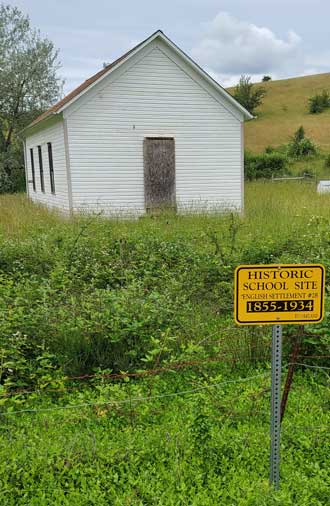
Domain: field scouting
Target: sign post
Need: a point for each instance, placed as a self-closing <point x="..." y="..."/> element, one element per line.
<point x="275" y="417"/>
<point x="276" y="295"/>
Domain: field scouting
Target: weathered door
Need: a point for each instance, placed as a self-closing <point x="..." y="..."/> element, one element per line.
<point x="159" y="173"/>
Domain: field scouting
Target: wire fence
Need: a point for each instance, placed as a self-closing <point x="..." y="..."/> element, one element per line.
<point x="149" y="398"/>
<point x="248" y="409"/>
<point x="225" y="357"/>
<point x="137" y="399"/>
<point x="244" y="414"/>
<point x="310" y="366"/>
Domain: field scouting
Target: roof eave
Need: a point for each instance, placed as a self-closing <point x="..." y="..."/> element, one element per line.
<point x="51" y="119"/>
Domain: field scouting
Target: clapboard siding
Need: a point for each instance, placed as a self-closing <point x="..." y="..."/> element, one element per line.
<point x="55" y="135"/>
<point x="154" y="97"/>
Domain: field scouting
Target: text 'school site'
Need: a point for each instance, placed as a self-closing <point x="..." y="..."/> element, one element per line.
<point x="278" y="280"/>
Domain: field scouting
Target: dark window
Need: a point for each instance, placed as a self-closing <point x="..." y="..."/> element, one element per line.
<point x="32" y="169"/>
<point x="42" y="182"/>
<point x="51" y="167"/>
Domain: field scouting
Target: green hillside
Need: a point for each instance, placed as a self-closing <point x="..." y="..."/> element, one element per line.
<point x="284" y="109"/>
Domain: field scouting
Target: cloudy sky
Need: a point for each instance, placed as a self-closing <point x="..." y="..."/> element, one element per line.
<point x="283" y="38"/>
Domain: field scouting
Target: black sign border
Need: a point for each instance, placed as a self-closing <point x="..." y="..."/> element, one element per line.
<point x="278" y="322"/>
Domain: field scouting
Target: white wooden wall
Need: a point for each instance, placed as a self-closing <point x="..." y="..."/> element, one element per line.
<point x="55" y="135"/>
<point x="155" y="94"/>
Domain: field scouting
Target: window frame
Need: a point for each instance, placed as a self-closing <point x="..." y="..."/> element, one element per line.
<point x="33" y="170"/>
<point x="41" y="170"/>
<point x="51" y="167"/>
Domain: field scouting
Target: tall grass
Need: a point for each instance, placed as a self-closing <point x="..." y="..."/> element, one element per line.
<point x="284" y="208"/>
<point x="19" y="217"/>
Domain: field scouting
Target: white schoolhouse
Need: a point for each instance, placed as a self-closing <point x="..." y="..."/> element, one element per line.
<point x="151" y="129"/>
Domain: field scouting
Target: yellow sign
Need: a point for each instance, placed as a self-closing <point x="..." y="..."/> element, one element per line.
<point x="278" y="294"/>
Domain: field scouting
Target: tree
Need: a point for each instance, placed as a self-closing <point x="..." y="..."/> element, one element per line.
<point x="28" y="83"/>
<point x="299" y="135"/>
<point x="247" y="95"/>
<point x="266" y="78"/>
<point x="300" y="146"/>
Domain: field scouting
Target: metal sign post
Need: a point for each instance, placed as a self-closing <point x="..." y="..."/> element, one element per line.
<point x="275" y="420"/>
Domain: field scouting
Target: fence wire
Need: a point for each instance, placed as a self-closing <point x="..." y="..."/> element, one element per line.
<point x="150" y="398"/>
<point x="224" y="357"/>
<point x="135" y="399"/>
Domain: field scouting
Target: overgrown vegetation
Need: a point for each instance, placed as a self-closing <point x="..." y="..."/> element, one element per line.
<point x="97" y="297"/>
<point x="265" y="165"/>
<point x="108" y="294"/>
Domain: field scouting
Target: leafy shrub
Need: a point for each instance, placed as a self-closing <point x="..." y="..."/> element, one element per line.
<point x="266" y="78"/>
<point x="265" y="165"/>
<point x="114" y="303"/>
<point x="248" y="96"/>
<point x="24" y="363"/>
<point x="315" y="104"/>
<point x="327" y="161"/>
<point x="300" y="146"/>
<point x="305" y="148"/>
<point x="319" y="102"/>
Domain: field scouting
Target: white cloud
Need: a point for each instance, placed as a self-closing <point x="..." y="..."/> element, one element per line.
<point x="231" y="47"/>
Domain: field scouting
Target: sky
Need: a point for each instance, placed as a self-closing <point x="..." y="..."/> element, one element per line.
<point x="228" y="38"/>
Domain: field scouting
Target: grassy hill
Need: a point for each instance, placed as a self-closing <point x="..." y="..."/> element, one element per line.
<point x="284" y="109"/>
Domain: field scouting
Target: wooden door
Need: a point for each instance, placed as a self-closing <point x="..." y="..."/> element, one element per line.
<point x="159" y="173"/>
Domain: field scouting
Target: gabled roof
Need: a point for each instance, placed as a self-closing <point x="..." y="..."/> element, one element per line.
<point x="77" y="92"/>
